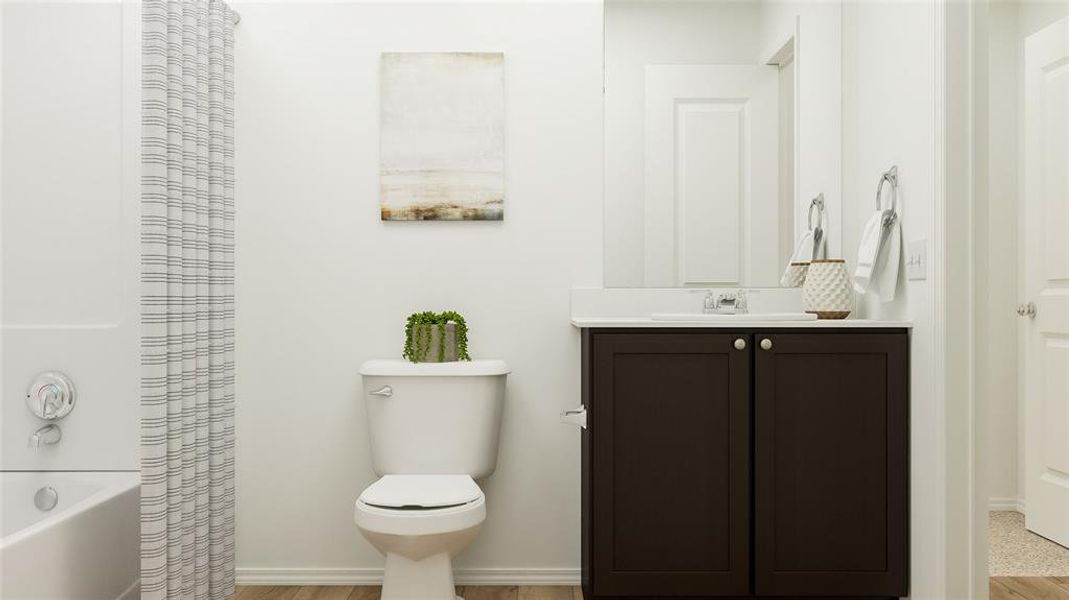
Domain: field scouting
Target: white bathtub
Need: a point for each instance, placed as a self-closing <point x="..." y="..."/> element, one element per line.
<point x="86" y="548"/>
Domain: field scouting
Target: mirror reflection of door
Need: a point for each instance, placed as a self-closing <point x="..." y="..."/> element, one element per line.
<point x="722" y="121"/>
<point x="712" y="181"/>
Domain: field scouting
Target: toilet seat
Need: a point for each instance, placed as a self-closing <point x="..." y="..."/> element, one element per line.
<point x="420" y="492"/>
<point x="420" y="505"/>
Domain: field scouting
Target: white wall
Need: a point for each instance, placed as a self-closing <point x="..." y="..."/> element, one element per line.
<point x="889" y="106"/>
<point x="323" y="284"/>
<point x="70" y="229"/>
<point x="638" y="33"/>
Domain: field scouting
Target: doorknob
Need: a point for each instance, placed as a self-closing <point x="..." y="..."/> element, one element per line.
<point x="1027" y="310"/>
<point x="766" y="344"/>
<point x="740" y="344"/>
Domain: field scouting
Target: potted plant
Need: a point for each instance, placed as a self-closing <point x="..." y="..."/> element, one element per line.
<point x="436" y="337"/>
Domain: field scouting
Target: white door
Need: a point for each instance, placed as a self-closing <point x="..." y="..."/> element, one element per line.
<point x="711" y="175"/>
<point x="1046" y="281"/>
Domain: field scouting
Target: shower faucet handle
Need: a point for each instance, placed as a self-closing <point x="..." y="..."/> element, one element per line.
<point x="50" y="396"/>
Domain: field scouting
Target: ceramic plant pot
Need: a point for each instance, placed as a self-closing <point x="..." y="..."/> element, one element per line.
<point x="827" y="292"/>
<point x="430" y="335"/>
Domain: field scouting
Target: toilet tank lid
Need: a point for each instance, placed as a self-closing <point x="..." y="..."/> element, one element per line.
<point x="460" y="368"/>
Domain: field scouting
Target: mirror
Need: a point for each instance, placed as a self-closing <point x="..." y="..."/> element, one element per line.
<point x="723" y="123"/>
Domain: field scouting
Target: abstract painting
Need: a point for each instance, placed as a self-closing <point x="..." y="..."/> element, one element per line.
<point x="442" y="153"/>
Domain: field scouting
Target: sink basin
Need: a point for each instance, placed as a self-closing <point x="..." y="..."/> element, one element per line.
<point x="737" y="317"/>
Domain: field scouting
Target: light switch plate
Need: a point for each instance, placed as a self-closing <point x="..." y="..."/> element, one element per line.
<point x="917" y="260"/>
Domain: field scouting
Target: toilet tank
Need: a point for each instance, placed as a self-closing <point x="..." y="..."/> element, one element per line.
<point x="434" y="418"/>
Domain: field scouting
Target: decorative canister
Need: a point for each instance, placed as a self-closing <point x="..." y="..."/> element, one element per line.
<point x="827" y="292"/>
<point x="794" y="276"/>
<point x="427" y="339"/>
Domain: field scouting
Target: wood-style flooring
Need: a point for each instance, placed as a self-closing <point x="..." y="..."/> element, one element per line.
<point x="1029" y="588"/>
<point x="348" y="592"/>
<point x="1002" y="588"/>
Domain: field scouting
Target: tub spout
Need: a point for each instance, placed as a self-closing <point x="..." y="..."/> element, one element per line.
<point x="49" y="434"/>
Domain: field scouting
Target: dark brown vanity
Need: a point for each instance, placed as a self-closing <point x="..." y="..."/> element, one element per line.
<point x="745" y="462"/>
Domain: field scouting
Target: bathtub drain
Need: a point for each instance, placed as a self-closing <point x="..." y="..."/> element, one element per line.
<point x="46" y="498"/>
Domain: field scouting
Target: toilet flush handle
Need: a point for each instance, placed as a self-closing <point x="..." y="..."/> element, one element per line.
<point x="385" y="391"/>
<point x="575" y="416"/>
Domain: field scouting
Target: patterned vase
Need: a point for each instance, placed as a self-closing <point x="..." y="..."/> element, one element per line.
<point x="826" y="291"/>
<point x="795" y="275"/>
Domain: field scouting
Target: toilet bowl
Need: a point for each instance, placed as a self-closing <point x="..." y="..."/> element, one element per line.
<point x="433" y="430"/>
<point x="420" y="522"/>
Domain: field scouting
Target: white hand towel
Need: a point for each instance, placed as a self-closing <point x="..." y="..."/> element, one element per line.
<point x="820" y="245"/>
<point x="885" y="283"/>
<point x="879" y="257"/>
<point x="803" y="252"/>
<point x="867" y="252"/>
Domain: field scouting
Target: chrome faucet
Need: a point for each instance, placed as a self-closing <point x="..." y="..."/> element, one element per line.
<point x="709" y="304"/>
<point x="725" y="303"/>
<point x="49" y="434"/>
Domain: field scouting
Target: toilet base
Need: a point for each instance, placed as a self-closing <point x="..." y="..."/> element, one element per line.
<point x="427" y="579"/>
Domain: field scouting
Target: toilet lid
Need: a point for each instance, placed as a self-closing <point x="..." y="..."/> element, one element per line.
<point x="421" y="491"/>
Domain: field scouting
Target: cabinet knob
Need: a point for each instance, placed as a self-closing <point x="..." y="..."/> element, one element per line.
<point x="766" y="344"/>
<point x="740" y="344"/>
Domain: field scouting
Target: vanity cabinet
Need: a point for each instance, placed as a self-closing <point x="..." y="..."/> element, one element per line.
<point x="745" y="463"/>
<point x="669" y="419"/>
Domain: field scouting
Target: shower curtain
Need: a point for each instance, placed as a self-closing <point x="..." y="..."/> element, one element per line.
<point x="187" y="300"/>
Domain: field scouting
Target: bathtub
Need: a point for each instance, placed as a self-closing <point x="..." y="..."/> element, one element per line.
<point x="85" y="548"/>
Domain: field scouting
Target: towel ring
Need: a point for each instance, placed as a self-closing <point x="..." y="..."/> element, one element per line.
<point x="817" y="203"/>
<point x="889" y="214"/>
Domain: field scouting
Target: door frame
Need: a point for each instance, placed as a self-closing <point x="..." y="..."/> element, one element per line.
<point x="960" y="114"/>
<point x="787" y="56"/>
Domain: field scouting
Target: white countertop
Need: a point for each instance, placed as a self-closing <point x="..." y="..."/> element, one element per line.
<point x="607" y="322"/>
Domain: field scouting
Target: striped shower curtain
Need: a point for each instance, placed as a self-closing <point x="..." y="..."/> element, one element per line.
<point x="187" y="300"/>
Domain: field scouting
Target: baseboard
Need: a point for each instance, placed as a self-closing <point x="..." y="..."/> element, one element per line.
<point x="366" y="576"/>
<point x="999" y="504"/>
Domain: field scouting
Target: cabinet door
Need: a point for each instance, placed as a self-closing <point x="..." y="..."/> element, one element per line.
<point x="670" y="446"/>
<point x="831" y="458"/>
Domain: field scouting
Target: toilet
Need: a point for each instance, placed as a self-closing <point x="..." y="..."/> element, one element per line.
<point x="434" y="432"/>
